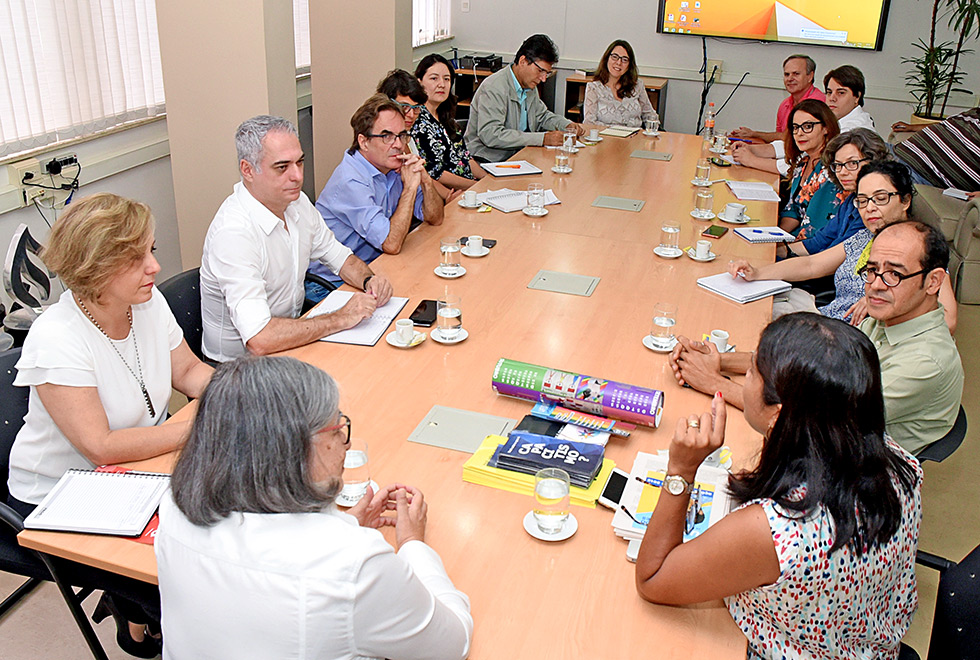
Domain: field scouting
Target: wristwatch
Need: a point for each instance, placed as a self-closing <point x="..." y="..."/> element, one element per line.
<point x="366" y="280"/>
<point x="677" y="485"/>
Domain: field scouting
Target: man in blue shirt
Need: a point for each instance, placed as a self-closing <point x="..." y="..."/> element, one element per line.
<point x="376" y="190"/>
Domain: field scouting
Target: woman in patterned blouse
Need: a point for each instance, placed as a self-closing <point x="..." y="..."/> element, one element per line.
<point x="818" y="559"/>
<point x="440" y="141"/>
<point x="616" y="97"/>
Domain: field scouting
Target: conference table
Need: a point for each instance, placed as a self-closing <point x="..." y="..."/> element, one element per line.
<point x="530" y="598"/>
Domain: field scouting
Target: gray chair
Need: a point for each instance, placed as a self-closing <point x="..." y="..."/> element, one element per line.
<point x="964" y="257"/>
<point x="941" y="449"/>
<point x="26" y="280"/>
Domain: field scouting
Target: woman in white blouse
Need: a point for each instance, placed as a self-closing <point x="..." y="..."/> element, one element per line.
<point x="256" y="561"/>
<point x="616" y="96"/>
<point x="101" y="363"/>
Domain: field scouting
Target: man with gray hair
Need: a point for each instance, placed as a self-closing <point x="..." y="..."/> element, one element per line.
<point x="798" y="72"/>
<point x="259" y="246"/>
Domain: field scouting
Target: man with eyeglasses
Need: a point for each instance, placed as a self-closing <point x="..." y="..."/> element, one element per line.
<point x="378" y="188"/>
<point x="506" y="113"/>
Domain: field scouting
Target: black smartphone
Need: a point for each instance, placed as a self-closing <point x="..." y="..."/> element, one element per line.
<point x="425" y="314"/>
<point x="718" y="162"/>
<point x="487" y="242"/>
<point x="715" y="231"/>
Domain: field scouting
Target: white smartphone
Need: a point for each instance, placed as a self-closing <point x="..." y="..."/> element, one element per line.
<point x="612" y="492"/>
<point x="633" y="550"/>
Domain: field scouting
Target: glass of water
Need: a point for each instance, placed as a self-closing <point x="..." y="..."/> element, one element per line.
<point x="535" y="199"/>
<point x="561" y="161"/>
<point x="702" y="172"/>
<point x="664" y="318"/>
<point x="670" y="233"/>
<point x="449" y="316"/>
<point x="703" y="201"/>
<point x="569" y="138"/>
<point x="551" y="499"/>
<point x="357" y="473"/>
<point x="651" y="126"/>
<point x="449" y="256"/>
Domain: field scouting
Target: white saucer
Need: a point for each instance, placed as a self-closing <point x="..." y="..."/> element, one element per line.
<point x="392" y="338"/>
<point x="717" y="151"/>
<point x="567" y="530"/>
<point x="526" y="211"/>
<point x="438" y="271"/>
<point x="573" y="150"/>
<point x="484" y="251"/>
<point x="710" y="216"/>
<point x="475" y="205"/>
<point x="437" y="337"/>
<point x="701" y="184"/>
<point x="648" y="342"/>
<point x="661" y="252"/>
<point x="348" y="502"/>
<point x="556" y="170"/>
<point x="691" y="253"/>
<point x="587" y="140"/>
<point x="745" y="219"/>
<point x="653" y="134"/>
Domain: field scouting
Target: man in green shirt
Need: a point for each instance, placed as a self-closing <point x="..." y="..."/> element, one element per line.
<point x="921" y="373"/>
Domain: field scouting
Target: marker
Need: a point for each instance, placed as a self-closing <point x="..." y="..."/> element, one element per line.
<point x="734" y="139"/>
<point x="509" y="167"/>
<point x="767" y="233"/>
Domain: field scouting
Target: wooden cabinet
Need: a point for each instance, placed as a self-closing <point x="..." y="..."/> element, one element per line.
<point x="467" y="80"/>
<point x="575" y="95"/>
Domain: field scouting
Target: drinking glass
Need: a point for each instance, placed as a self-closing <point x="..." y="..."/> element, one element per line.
<point x="551" y="499"/>
<point x="535" y="199"/>
<point x="561" y="161"/>
<point x="449" y="316"/>
<point x="670" y="232"/>
<point x="703" y="201"/>
<point x="664" y="319"/>
<point x="357" y="473"/>
<point x="449" y="256"/>
<point x="569" y="138"/>
<point x="651" y="126"/>
<point x="702" y="172"/>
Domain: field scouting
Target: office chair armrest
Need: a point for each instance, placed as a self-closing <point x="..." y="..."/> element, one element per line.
<point x="933" y="561"/>
<point x="316" y="279"/>
<point x="11" y="518"/>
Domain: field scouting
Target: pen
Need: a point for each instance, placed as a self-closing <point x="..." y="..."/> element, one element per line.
<point x="768" y="233"/>
<point x="734" y="139"/>
<point x="647" y="481"/>
<point x="627" y="512"/>
<point x="509" y="167"/>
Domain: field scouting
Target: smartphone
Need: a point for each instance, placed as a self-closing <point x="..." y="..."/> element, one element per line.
<point x="487" y="242"/>
<point x="718" y="162"/>
<point x="715" y="231"/>
<point x="612" y="492"/>
<point x="425" y="314"/>
<point x="633" y="550"/>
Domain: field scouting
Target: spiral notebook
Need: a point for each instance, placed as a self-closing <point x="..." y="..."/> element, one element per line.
<point x="764" y="235"/>
<point x="117" y="503"/>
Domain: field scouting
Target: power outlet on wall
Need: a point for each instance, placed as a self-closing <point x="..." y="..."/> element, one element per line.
<point x="29" y="170"/>
<point x="464" y="6"/>
<point x="711" y="67"/>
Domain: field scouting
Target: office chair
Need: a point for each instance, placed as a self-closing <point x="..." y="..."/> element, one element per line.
<point x="941" y="449"/>
<point x="183" y="294"/>
<point x="26" y="280"/>
<point x="313" y="278"/>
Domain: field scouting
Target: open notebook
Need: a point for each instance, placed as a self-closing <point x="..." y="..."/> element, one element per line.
<point x="737" y="289"/>
<point x="368" y="331"/>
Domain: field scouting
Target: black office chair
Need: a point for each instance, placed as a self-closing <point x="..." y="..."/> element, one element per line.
<point x="13" y="558"/>
<point x="183" y="294"/>
<point x="309" y="304"/>
<point x="941" y="449"/>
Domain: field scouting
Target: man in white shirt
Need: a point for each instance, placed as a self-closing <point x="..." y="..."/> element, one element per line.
<point x="259" y="246"/>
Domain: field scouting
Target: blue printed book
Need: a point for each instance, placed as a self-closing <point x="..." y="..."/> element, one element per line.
<point x="529" y="452"/>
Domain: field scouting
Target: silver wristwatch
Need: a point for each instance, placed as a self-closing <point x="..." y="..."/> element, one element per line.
<point x="677" y="485"/>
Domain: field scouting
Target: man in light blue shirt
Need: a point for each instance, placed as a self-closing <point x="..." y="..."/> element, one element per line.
<point x="376" y="190"/>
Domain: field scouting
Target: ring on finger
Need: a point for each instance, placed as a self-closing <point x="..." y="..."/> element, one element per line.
<point x="693" y="423"/>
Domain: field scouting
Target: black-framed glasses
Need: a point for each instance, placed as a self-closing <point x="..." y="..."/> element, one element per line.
<point x="805" y="128"/>
<point x="389" y="138"/>
<point x="879" y="198"/>
<point x="408" y="107"/>
<point x="615" y="57"/>
<point x="344" y="421"/>
<point x="889" y="277"/>
<point x="540" y="68"/>
<point x="850" y="166"/>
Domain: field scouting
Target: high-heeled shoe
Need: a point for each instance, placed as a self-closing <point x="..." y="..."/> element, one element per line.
<point x="148" y="648"/>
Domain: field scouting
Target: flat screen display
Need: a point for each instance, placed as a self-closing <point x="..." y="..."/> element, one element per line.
<point x="843" y="23"/>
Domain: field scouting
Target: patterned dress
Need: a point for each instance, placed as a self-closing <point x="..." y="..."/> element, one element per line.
<point x="602" y="107"/>
<point x="441" y="154"/>
<point x="837" y="605"/>
<point x="847" y="283"/>
<point x="813" y="201"/>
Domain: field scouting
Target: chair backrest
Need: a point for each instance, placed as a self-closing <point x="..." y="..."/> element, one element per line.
<point x="183" y="294"/>
<point x="13" y="408"/>
<point x="946" y="445"/>
<point x="954" y="628"/>
<point x="25" y="281"/>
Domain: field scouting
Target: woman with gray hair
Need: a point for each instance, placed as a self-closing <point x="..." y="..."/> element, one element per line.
<point x="255" y="559"/>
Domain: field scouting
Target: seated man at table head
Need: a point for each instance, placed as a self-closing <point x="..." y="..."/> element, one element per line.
<point x="378" y="188"/>
<point x="921" y="372"/>
<point x="255" y="559"/>
<point x="506" y="113"/>
<point x="259" y="246"/>
<point x="798" y="72"/>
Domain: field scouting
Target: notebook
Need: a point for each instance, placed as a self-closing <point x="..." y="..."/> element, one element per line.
<point x="764" y="235"/>
<point x="511" y="168"/>
<point x="368" y="331"/>
<point x="118" y="503"/>
<point x="753" y="191"/>
<point x="620" y="131"/>
<point x="507" y="200"/>
<point x="737" y="289"/>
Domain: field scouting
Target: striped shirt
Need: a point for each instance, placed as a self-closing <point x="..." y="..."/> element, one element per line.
<point x="946" y="154"/>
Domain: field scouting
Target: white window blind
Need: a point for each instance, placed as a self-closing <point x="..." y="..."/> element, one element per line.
<point x="301" y="33"/>
<point x="430" y="21"/>
<point x="74" y="67"/>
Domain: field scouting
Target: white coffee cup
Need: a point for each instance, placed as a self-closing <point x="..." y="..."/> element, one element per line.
<point x="720" y="339"/>
<point x="405" y="330"/>
<point x="469" y="197"/>
<point x="594" y="134"/>
<point x="735" y="211"/>
<point x="474" y="243"/>
<point x="702" y="249"/>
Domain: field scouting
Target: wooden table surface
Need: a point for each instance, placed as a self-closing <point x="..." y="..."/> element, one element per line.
<point x="581" y="590"/>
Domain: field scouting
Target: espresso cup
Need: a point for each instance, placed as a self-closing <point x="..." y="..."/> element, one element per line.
<point x="702" y="249"/>
<point x="720" y="339"/>
<point x="735" y="211"/>
<point x="469" y="197"/>
<point x="405" y="330"/>
<point x="594" y="134"/>
<point x="474" y="243"/>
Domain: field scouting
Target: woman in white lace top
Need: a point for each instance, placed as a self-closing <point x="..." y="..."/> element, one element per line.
<point x="616" y="97"/>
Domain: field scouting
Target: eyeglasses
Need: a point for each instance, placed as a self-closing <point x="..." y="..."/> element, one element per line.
<point x="344" y="421"/>
<point x="389" y="138"/>
<point x="546" y="73"/>
<point x="615" y="57"/>
<point x="879" y="198"/>
<point x="850" y="166"/>
<point x="889" y="277"/>
<point x="408" y="107"/>
<point x="806" y="127"/>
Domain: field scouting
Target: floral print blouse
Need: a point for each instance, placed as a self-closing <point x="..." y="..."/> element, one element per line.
<point x="441" y="154"/>
<point x="602" y="107"/>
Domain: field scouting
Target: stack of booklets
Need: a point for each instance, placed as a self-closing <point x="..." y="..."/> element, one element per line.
<point x="529" y="452"/>
<point x="737" y="289"/>
<point x="477" y="470"/>
<point x="620" y="131"/>
<point x="710" y="500"/>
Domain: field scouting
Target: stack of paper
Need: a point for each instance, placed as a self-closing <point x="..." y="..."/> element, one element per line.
<point x="737" y="289"/>
<point x="753" y="191"/>
<point x="710" y="500"/>
<point x="477" y="471"/>
<point x="511" y="168"/>
<point x="620" y="131"/>
<point x="508" y="200"/>
<point x="527" y="453"/>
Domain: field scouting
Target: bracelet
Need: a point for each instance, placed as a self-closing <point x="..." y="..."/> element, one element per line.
<point x="366" y="280"/>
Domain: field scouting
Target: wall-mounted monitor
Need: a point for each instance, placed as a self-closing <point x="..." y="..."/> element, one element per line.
<point x="843" y="23"/>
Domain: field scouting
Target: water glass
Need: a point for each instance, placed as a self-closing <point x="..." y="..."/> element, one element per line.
<point x="357" y="473"/>
<point x="651" y="126"/>
<point x="449" y="316"/>
<point x="561" y="161"/>
<point x="552" y="499"/>
<point x="702" y="172"/>
<point x="535" y="199"/>
<point x="449" y="256"/>
<point x="664" y="318"/>
<point x="670" y="233"/>
<point x="721" y="142"/>
<point x="570" y="137"/>
<point x="703" y="201"/>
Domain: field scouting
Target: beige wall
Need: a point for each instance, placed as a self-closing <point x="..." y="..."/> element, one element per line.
<point x="223" y="61"/>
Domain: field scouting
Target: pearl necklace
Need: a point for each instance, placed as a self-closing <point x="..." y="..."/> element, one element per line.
<point x="139" y="366"/>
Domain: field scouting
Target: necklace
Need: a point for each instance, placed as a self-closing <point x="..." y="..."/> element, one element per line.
<point x="139" y="366"/>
